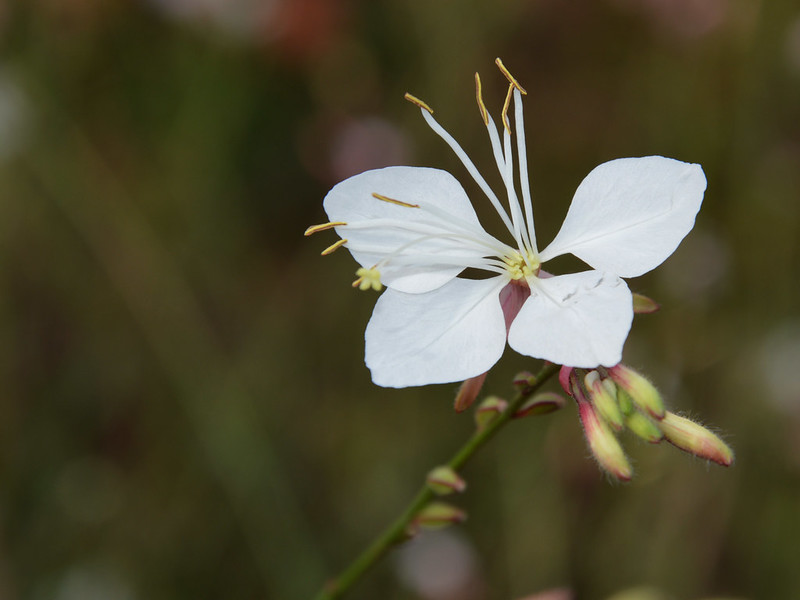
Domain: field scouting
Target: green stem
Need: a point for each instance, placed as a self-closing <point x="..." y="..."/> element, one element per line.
<point x="398" y="530"/>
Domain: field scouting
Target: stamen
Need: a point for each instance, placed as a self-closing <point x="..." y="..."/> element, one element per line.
<point x="393" y="201"/>
<point x="479" y="96"/>
<point x="524" y="181"/>
<point x="471" y="168"/>
<point x="506" y="104"/>
<point x="418" y="102"/>
<point x="509" y="76"/>
<point x="324" y="227"/>
<point x="333" y="247"/>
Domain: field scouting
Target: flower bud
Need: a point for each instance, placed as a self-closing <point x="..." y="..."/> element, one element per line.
<point x="523" y="381"/>
<point x="603" y="443"/>
<point x="642" y="305"/>
<point x="624" y="401"/>
<point x="604" y="398"/>
<point x="641" y="391"/>
<point x="540" y="404"/>
<point x="444" y="480"/>
<point x="695" y="439"/>
<point x="437" y="515"/>
<point x="468" y="391"/>
<point x="644" y="427"/>
<point x="489" y="410"/>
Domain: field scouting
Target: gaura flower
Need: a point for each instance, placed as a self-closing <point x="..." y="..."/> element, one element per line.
<point x="414" y="230"/>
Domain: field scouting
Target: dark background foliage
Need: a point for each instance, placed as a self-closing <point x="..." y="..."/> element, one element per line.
<point x="184" y="409"/>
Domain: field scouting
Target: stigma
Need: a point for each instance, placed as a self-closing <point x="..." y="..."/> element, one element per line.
<point x="368" y="278"/>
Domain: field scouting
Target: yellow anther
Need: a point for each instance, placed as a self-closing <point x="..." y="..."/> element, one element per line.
<point x="506" y="104"/>
<point x="368" y="278"/>
<point x="479" y="96"/>
<point x="393" y="201"/>
<point x="333" y="247"/>
<point x="520" y="268"/>
<point x="418" y="102"/>
<point x="509" y="76"/>
<point x="324" y="227"/>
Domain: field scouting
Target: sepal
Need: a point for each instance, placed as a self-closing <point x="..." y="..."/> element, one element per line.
<point x="468" y="391"/>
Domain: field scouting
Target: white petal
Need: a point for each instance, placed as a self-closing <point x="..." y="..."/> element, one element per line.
<point x="450" y="334"/>
<point x="578" y="320"/>
<point x="351" y="201"/>
<point x="630" y="214"/>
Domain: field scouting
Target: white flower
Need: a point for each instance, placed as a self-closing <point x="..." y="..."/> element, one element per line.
<point x="414" y="230"/>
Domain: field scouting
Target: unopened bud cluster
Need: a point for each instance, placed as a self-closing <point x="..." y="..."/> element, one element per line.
<point x="618" y="398"/>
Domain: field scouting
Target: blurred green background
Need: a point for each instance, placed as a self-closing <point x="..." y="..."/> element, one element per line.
<point x="184" y="408"/>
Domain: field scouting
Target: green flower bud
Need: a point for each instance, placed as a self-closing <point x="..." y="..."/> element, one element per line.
<point x="444" y="480"/>
<point x="489" y="410"/>
<point x="644" y="427"/>
<point x="437" y="515"/>
<point x="604" y="398"/>
<point x="625" y="402"/>
<point x="523" y="381"/>
<point x="540" y="404"/>
<point x="642" y="305"/>
<point x="603" y="443"/>
<point x="694" y="438"/>
<point x="641" y="391"/>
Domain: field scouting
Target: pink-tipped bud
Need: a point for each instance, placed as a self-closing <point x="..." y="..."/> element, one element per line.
<point x="603" y="443"/>
<point x="468" y="391"/>
<point x="694" y="438"/>
<point x="437" y="515"/>
<point x="604" y="397"/>
<point x="644" y="427"/>
<point x="488" y="410"/>
<point x="540" y="404"/>
<point x="444" y="480"/>
<point x="642" y="392"/>
<point x="642" y="305"/>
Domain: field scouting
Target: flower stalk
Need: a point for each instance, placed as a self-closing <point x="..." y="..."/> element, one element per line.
<point x="400" y="529"/>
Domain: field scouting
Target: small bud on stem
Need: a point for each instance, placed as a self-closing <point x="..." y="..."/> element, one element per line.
<point x="540" y="404"/>
<point x="642" y="305"/>
<point x="444" y="480"/>
<point x="489" y="410"/>
<point x="437" y="515"/>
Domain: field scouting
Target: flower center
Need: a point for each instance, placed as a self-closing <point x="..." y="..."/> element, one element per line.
<point x="522" y="267"/>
